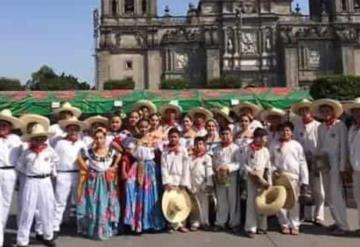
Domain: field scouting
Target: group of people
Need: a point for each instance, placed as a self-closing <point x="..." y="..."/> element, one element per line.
<point x="111" y="174"/>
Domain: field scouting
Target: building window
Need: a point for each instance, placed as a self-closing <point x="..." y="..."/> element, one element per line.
<point x="128" y="65"/>
<point x="129" y="6"/>
<point x="114" y="7"/>
<point x="344" y="7"/>
<point x="143" y="6"/>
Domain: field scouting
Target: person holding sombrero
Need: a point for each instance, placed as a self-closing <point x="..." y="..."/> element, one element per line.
<point x="252" y="111"/>
<point x="66" y="185"/>
<point x="306" y="132"/>
<point x="10" y="149"/>
<point x="353" y="109"/>
<point x="200" y="115"/>
<point x="272" y="118"/>
<point x="332" y="144"/>
<point x="38" y="163"/>
<point x="289" y="160"/>
<point x="65" y="112"/>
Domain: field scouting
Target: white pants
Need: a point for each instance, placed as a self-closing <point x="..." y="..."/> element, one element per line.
<point x="316" y="212"/>
<point x="289" y="218"/>
<point x="253" y="220"/>
<point x="334" y="198"/>
<point x="356" y="187"/>
<point x="228" y="203"/>
<point x="204" y="212"/>
<point x="7" y="186"/>
<point x="65" y="191"/>
<point x="37" y="194"/>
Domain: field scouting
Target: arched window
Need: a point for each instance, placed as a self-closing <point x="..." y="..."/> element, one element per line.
<point x="143" y="6"/>
<point x="129" y="6"/>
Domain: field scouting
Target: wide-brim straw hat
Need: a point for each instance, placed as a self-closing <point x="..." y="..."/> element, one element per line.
<point x="223" y="112"/>
<point x="355" y="104"/>
<point x="271" y="201"/>
<point x="38" y="131"/>
<point x="72" y="121"/>
<point x="27" y="119"/>
<point x="285" y="181"/>
<point x="171" y="106"/>
<point x="256" y="109"/>
<point x="6" y="115"/>
<point x="145" y="103"/>
<point x="265" y="114"/>
<point x="176" y="205"/>
<point x="96" y="119"/>
<point x="334" y="104"/>
<point x="305" y="103"/>
<point x="68" y="107"/>
<point x="200" y="110"/>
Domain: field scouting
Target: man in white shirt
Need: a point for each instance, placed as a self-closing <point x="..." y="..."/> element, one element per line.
<point x="200" y="115"/>
<point x="332" y="146"/>
<point x="306" y="132"/>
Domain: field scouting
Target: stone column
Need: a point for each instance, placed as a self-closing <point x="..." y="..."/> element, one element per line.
<point x="291" y="67"/>
<point x="348" y="60"/>
<point x="154" y="63"/>
<point x="213" y="64"/>
<point x="102" y="69"/>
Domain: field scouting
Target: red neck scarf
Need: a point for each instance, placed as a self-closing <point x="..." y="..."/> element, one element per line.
<point x="171" y="123"/>
<point x="38" y="148"/>
<point x="226" y="144"/>
<point x="256" y="147"/>
<point x="199" y="126"/>
<point x="307" y="120"/>
<point x="174" y="148"/>
<point x="4" y="136"/>
<point x="283" y="141"/>
<point x="197" y="154"/>
<point x="330" y="122"/>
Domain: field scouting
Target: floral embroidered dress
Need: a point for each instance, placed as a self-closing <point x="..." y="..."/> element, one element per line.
<point x="142" y="211"/>
<point x="98" y="210"/>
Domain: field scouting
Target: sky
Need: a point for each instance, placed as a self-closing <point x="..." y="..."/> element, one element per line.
<point x="57" y="33"/>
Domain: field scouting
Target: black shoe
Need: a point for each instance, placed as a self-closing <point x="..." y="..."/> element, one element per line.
<point x="39" y="237"/>
<point x="261" y="232"/>
<point x="218" y="228"/>
<point x="250" y="234"/>
<point x="22" y="245"/>
<point x="49" y="243"/>
<point x="56" y="234"/>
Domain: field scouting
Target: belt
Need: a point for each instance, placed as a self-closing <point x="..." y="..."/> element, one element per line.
<point x="7" y="167"/>
<point x="69" y="171"/>
<point x="41" y="176"/>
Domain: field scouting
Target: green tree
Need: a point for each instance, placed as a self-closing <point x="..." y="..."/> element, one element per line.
<point x="8" y="84"/>
<point x="127" y="83"/>
<point x="45" y="79"/>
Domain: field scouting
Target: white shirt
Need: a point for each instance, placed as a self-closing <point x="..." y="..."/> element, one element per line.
<point x="333" y="141"/>
<point x="59" y="134"/>
<point x="143" y="153"/>
<point x="97" y="163"/>
<point x="175" y="168"/>
<point x="257" y="161"/>
<point x="307" y="135"/>
<point x="229" y="156"/>
<point x="32" y="164"/>
<point x="68" y="152"/>
<point x="252" y="126"/>
<point x="289" y="157"/>
<point x="201" y="173"/>
<point x="354" y="147"/>
<point x="10" y="150"/>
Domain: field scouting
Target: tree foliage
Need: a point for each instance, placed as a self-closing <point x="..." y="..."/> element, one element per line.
<point x="127" y="83"/>
<point x="8" y="84"/>
<point x="175" y="84"/>
<point x="224" y="83"/>
<point x="45" y="79"/>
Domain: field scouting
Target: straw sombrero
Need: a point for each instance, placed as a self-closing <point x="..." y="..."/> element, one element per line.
<point x="6" y="115"/>
<point x="72" y="121"/>
<point x="200" y="110"/>
<point x="145" y="103"/>
<point x="176" y="205"/>
<point x="285" y="181"/>
<point x="173" y="105"/>
<point x="223" y="112"/>
<point x="96" y="119"/>
<point x="336" y="105"/>
<point x="265" y="114"/>
<point x="27" y="119"/>
<point x="271" y="201"/>
<point x="38" y="131"/>
<point x="246" y="104"/>
<point x="355" y="104"/>
<point x="68" y="107"/>
<point x="302" y="104"/>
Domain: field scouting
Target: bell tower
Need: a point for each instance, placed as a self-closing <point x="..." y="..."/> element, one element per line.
<point x="135" y="8"/>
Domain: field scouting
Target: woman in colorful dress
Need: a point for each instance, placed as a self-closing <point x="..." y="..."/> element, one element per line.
<point x="143" y="212"/>
<point x="98" y="209"/>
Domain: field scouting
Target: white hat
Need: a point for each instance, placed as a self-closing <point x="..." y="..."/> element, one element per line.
<point x="96" y="119"/>
<point x="246" y="104"/>
<point x="176" y="205"/>
<point x="224" y="112"/>
<point x="355" y="104"/>
<point x="38" y="131"/>
<point x="334" y="104"/>
<point x="68" y="107"/>
<point x="72" y="121"/>
<point x="201" y="110"/>
<point x="265" y="114"/>
<point x="270" y="201"/>
<point x="27" y="119"/>
<point x="305" y="103"/>
<point x="145" y="103"/>
<point x="6" y="115"/>
<point x="173" y="105"/>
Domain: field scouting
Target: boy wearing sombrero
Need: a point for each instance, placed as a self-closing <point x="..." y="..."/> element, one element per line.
<point x="68" y="148"/>
<point x="306" y="132"/>
<point x="353" y="109"/>
<point x="38" y="163"/>
<point x="10" y="149"/>
<point x="332" y="146"/>
<point x="200" y="115"/>
<point x="289" y="160"/>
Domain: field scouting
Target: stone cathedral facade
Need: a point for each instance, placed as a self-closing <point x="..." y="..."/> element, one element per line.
<point x="262" y="42"/>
